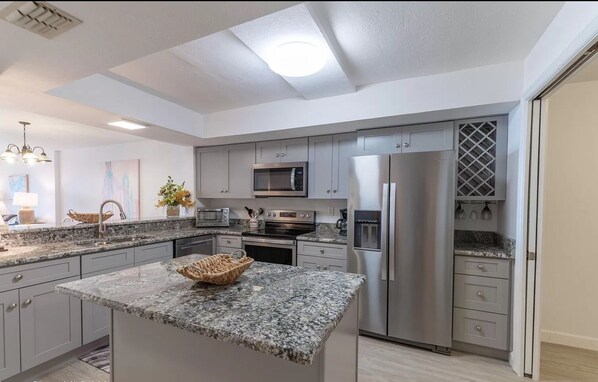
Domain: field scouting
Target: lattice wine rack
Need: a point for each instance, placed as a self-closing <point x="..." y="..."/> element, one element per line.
<point x="482" y="153"/>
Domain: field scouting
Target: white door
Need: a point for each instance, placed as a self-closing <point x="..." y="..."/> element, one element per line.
<point x="344" y="146"/>
<point x="320" y="167"/>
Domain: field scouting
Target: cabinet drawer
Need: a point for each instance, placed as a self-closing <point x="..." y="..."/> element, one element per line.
<point x="321" y="263"/>
<point x="333" y="251"/>
<point x="30" y="274"/>
<point x="482" y="266"/>
<point x="482" y="293"/>
<point x="154" y="260"/>
<point x="153" y="252"/>
<point x="226" y="250"/>
<point x="230" y="241"/>
<point x="480" y="328"/>
<point x="103" y="261"/>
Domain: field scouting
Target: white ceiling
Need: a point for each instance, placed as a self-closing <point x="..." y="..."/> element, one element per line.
<point x="372" y="42"/>
<point x="205" y="56"/>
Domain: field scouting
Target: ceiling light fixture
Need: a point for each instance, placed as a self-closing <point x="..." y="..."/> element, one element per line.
<point x="26" y="153"/>
<point x="297" y="59"/>
<point x="129" y="125"/>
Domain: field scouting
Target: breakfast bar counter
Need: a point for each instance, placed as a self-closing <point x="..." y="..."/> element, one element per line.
<point x="274" y="323"/>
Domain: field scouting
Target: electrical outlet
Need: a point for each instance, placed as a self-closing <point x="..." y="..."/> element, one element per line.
<point x="330" y="210"/>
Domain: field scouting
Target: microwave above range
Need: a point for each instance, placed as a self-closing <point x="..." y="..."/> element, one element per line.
<point x="280" y="179"/>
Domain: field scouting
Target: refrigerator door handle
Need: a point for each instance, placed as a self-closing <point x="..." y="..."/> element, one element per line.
<point x="384" y="238"/>
<point x="392" y="229"/>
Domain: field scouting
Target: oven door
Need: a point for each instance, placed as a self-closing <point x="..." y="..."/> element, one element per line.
<point x="271" y="250"/>
<point x="280" y="179"/>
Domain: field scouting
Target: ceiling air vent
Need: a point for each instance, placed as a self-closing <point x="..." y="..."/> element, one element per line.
<point x="39" y="17"/>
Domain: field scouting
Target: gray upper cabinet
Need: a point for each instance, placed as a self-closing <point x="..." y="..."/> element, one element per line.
<point x="379" y="141"/>
<point x="50" y="323"/>
<point x="428" y="137"/>
<point x="225" y="171"/>
<point x="482" y="158"/>
<point x="10" y="355"/>
<point x="328" y="165"/>
<point x="288" y="150"/>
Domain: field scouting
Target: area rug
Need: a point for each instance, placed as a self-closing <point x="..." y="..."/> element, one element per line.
<point x="98" y="358"/>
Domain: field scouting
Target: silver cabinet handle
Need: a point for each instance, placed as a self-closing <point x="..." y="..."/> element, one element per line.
<point x="480" y="294"/>
<point x="406" y="145"/>
<point x="327" y="191"/>
<point x="334" y="191"/>
<point x="18" y="277"/>
<point x="325" y="267"/>
<point x="322" y="251"/>
<point x="397" y="145"/>
<point x="12" y="306"/>
<point x="478" y="328"/>
<point x="27" y="302"/>
<point x="283" y="154"/>
<point x="317" y="267"/>
<point x="227" y="241"/>
<point x="277" y="155"/>
<point x="481" y="267"/>
<point x="221" y="190"/>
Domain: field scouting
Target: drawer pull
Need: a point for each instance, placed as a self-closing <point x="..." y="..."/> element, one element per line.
<point x="478" y="328"/>
<point x="322" y="251"/>
<point x="228" y="241"/>
<point x="317" y="267"/>
<point x="12" y="306"/>
<point x="27" y="302"/>
<point x="481" y="267"/>
<point x="325" y="267"/>
<point x="18" y="277"/>
<point x="480" y="294"/>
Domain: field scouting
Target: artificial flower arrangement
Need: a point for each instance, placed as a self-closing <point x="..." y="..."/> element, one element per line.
<point x="172" y="195"/>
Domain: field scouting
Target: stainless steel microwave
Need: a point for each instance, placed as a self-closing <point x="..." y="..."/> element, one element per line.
<point x="215" y="217"/>
<point x="280" y="179"/>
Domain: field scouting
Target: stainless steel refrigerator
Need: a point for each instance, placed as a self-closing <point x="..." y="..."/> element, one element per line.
<point x="400" y="235"/>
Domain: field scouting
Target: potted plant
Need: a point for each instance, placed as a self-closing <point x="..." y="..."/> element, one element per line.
<point x="173" y="196"/>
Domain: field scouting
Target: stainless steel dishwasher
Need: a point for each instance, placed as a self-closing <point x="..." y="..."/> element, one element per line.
<point x="197" y="245"/>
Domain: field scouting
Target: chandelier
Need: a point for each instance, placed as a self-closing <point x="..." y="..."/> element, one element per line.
<point x="25" y="154"/>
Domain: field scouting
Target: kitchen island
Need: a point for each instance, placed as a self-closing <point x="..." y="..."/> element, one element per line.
<point x="275" y="323"/>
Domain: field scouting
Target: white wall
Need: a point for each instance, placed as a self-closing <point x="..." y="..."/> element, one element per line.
<point x="81" y="173"/>
<point x="41" y="181"/>
<point x="320" y="206"/>
<point x="507" y="210"/>
<point x="569" y="255"/>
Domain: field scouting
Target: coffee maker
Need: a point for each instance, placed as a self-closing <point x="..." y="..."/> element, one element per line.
<point x="342" y="222"/>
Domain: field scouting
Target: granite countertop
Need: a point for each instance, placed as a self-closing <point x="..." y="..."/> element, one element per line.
<point x="17" y="255"/>
<point x="288" y="312"/>
<point x="325" y="233"/>
<point x="481" y="250"/>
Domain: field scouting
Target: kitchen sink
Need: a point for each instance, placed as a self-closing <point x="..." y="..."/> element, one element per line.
<point x="111" y="240"/>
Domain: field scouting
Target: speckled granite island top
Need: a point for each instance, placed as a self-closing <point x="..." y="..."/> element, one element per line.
<point x="285" y="311"/>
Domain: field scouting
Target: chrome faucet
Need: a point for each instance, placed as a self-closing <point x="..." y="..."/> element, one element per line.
<point x="102" y="227"/>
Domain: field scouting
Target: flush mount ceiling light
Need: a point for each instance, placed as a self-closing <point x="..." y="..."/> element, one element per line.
<point x="297" y="59"/>
<point x="129" y="125"/>
<point x="26" y="153"/>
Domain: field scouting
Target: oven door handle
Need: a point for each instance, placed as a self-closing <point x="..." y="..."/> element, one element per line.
<point x="267" y="241"/>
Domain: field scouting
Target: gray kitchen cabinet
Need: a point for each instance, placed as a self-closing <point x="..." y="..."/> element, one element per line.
<point x="321" y="263"/>
<point x="225" y="171"/>
<point x="50" y="323"/>
<point x="329" y="165"/>
<point x="482" y="158"/>
<point x="10" y="355"/>
<point x="151" y="253"/>
<point x="322" y="256"/>
<point x="288" y="150"/>
<point x="406" y="139"/>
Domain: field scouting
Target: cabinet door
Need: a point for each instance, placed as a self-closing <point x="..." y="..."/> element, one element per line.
<point x="240" y="171"/>
<point x="320" y="167"/>
<point x="379" y="141"/>
<point x="294" y="150"/>
<point x="212" y="177"/>
<point x="10" y="347"/>
<point x="344" y="146"/>
<point x="267" y="152"/>
<point x="311" y="262"/>
<point x="50" y="323"/>
<point x="153" y="252"/>
<point x="428" y="137"/>
<point x="95" y="318"/>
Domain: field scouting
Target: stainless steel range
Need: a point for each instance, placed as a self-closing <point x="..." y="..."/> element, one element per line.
<point x="276" y="241"/>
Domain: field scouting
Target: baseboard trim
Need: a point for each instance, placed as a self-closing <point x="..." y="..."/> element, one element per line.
<point x="573" y="340"/>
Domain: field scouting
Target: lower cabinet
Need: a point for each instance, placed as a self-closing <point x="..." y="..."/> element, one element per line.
<point x="321" y="263"/>
<point x="50" y="323"/>
<point x="151" y="253"/>
<point x="322" y="256"/>
<point x="10" y="352"/>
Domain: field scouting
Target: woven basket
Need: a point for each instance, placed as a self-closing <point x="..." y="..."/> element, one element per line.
<point x="218" y="269"/>
<point x="88" y="217"/>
